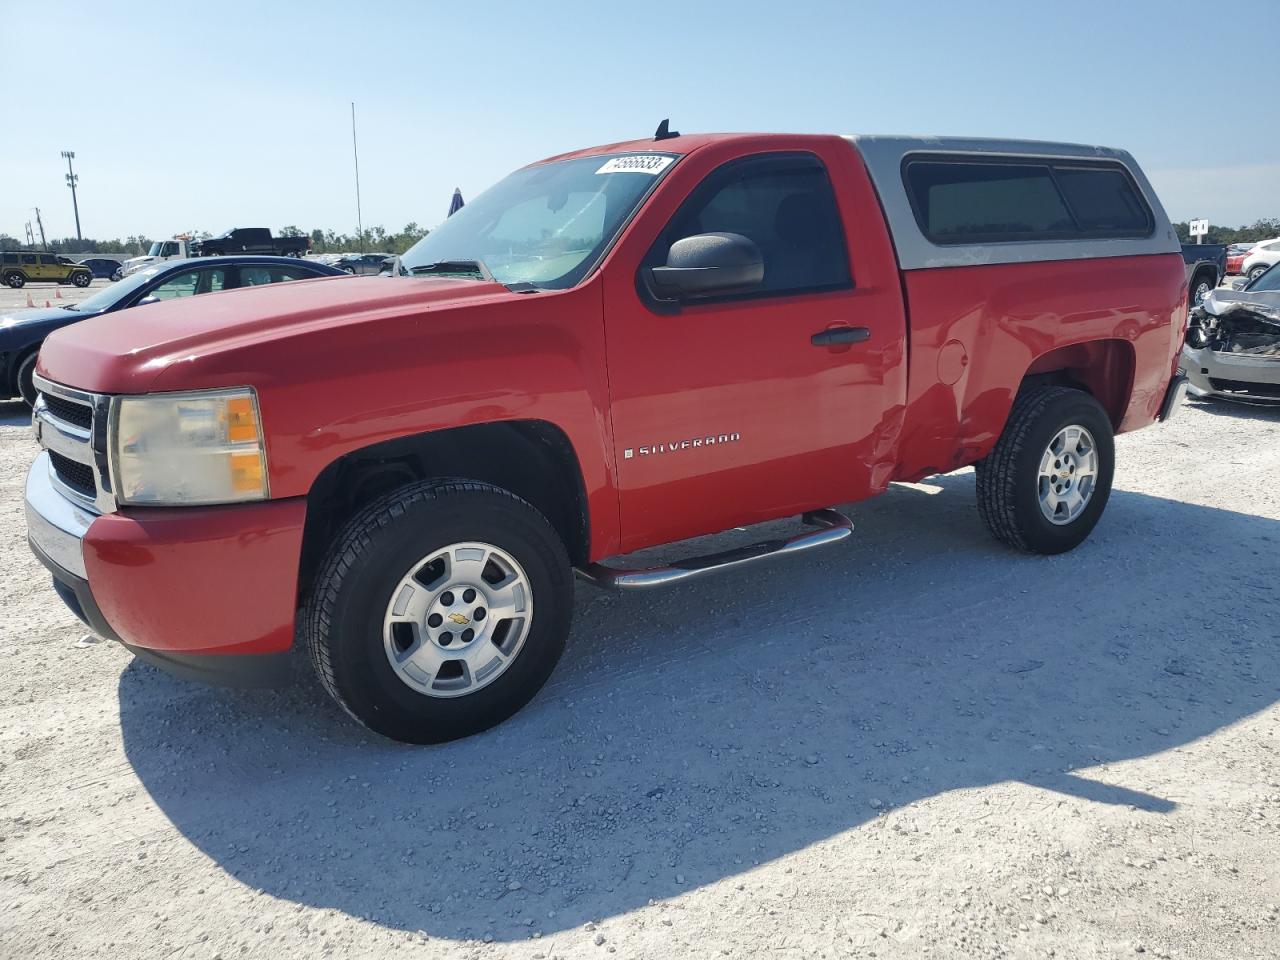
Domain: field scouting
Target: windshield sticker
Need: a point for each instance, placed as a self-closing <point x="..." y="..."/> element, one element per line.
<point x="650" y="163"/>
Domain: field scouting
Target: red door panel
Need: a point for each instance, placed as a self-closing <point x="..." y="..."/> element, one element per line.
<point x="727" y="413"/>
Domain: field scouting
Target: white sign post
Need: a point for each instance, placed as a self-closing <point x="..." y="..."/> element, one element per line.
<point x="1198" y="229"/>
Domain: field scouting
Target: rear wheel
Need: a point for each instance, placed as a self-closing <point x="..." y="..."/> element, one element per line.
<point x="26" y="379"/>
<point x="440" y="610"/>
<point x="82" y="279"/>
<point x="1257" y="270"/>
<point x="1045" y="485"/>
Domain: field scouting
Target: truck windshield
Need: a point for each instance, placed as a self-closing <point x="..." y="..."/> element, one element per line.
<point x="155" y="249"/>
<point x="545" y="225"/>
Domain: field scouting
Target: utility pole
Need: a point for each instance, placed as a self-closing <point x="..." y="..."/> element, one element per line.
<point x="31" y="237"/>
<point x="69" y="155"/>
<point x="355" y="152"/>
<point x="40" y="223"/>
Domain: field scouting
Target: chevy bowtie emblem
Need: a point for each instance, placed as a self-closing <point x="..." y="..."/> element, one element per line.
<point x="459" y="619"/>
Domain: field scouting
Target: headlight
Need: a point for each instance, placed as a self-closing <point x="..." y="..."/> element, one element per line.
<point x="173" y="449"/>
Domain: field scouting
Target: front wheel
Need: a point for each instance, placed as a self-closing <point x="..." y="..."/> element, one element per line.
<point x="1257" y="271"/>
<point x="440" y="610"/>
<point x="1200" y="290"/>
<point x="1045" y="484"/>
<point x="15" y="280"/>
<point x="26" y="380"/>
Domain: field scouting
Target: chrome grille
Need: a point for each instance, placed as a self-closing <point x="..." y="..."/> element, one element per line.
<point x="78" y="476"/>
<point x="68" y="411"/>
<point x="72" y="426"/>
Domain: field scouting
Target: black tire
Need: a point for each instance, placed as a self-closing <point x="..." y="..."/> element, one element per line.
<point x="343" y="616"/>
<point x="1201" y="286"/>
<point x="1257" y="270"/>
<point x="82" y="279"/>
<point x="15" y="280"/>
<point x="26" y="378"/>
<point x="1008" y="478"/>
<point x="117" y="274"/>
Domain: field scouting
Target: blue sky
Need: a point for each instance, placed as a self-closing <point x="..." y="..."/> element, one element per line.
<point x="238" y="113"/>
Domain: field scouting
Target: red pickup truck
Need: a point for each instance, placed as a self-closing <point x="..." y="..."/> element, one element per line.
<point x="615" y="348"/>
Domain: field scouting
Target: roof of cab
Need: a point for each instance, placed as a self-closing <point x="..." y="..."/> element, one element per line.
<point x="883" y="156"/>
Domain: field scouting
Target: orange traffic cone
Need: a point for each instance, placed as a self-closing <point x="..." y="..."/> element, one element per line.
<point x="57" y="294"/>
<point x="47" y="305"/>
<point x="29" y="303"/>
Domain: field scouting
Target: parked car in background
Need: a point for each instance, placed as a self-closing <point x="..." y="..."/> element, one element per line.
<point x="1206" y="266"/>
<point x="104" y="268"/>
<point x="612" y="349"/>
<point x="20" y="267"/>
<point x="1236" y="253"/>
<point x="363" y="264"/>
<point x="179" y="248"/>
<point x="1233" y="342"/>
<point x="23" y="331"/>
<point x="252" y="240"/>
<point x="1260" y="258"/>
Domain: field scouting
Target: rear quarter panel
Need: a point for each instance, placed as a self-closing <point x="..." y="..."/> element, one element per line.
<point x="976" y="331"/>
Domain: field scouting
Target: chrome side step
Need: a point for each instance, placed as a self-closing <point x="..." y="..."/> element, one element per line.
<point x="835" y="526"/>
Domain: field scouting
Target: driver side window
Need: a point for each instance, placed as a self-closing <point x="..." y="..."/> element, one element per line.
<point x="189" y="283"/>
<point x="785" y="205"/>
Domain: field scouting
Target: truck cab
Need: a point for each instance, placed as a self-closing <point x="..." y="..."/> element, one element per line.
<point x="179" y="248"/>
<point x="615" y="348"/>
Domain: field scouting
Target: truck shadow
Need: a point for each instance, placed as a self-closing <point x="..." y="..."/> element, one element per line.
<point x="690" y="734"/>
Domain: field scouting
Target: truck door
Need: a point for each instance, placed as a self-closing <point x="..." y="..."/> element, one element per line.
<point x="736" y="409"/>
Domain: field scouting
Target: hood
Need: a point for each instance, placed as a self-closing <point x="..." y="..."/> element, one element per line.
<point x="126" y="352"/>
<point x="1265" y="305"/>
<point x="20" y="326"/>
<point x="138" y="260"/>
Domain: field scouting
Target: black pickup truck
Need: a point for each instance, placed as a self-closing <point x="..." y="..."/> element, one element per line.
<point x="252" y="240"/>
<point x="1206" y="266"/>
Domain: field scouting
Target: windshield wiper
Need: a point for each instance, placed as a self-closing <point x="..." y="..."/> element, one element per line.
<point x="469" y="268"/>
<point x="452" y="268"/>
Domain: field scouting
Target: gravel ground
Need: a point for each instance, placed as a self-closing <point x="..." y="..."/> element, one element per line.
<point x="55" y="294"/>
<point x="916" y="745"/>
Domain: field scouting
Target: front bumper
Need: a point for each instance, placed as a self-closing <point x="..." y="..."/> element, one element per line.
<point x="1231" y="375"/>
<point x="206" y="593"/>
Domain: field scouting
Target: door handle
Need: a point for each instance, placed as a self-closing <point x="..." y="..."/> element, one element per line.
<point x="835" y="336"/>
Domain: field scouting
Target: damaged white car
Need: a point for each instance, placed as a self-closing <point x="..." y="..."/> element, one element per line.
<point x="1233" y="342"/>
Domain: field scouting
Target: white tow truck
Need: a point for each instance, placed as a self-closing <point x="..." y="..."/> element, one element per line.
<point x="178" y="248"/>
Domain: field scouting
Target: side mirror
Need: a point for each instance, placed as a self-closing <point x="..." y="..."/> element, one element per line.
<point x="709" y="264"/>
<point x="146" y="300"/>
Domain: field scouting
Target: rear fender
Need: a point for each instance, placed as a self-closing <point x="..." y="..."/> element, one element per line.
<point x="1103" y="368"/>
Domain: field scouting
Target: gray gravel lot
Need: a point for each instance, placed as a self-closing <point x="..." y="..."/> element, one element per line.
<point x="52" y="293"/>
<point x="915" y="745"/>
